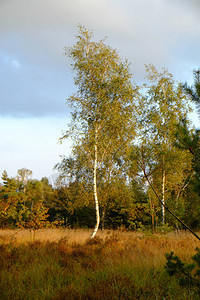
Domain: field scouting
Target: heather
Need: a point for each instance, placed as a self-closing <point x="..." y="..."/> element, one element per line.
<point x="65" y="264"/>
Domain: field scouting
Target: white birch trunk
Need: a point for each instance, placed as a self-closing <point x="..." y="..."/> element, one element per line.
<point x="95" y="189"/>
<point x="164" y="174"/>
<point x="163" y="198"/>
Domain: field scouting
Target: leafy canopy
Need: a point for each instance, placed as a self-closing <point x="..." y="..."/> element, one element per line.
<point x="102" y="107"/>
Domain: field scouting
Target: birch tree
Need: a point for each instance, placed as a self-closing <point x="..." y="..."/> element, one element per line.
<point x="162" y="108"/>
<point x="23" y="176"/>
<point x="102" y="116"/>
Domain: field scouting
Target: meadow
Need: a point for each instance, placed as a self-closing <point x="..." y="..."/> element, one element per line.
<point x="66" y="264"/>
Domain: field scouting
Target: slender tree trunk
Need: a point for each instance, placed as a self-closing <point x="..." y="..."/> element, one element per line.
<point x="152" y="212"/>
<point x="163" y="197"/>
<point x="164" y="143"/>
<point x="95" y="189"/>
<point x="24" y="190"/>
<point x="103" y="219"/>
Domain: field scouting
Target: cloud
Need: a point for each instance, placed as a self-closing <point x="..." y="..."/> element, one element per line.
<point x="29" y="90"/>
<point x="35" y="76"/>
<point x="56" y="13"/>
<point x="161" y="32"/>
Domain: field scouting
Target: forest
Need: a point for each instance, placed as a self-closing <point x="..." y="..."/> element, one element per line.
<point x="135" y="154"/>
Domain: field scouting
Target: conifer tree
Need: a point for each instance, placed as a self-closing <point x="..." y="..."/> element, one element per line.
<point x="194" y="90"/>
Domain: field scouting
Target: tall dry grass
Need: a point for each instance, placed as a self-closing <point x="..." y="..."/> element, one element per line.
<point x="65" y="264"/>
<point x="44" y="235"/>
<point x="182" y="242"/>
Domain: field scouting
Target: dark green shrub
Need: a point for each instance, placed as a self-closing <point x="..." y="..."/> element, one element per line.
<point x="188" y="274"/>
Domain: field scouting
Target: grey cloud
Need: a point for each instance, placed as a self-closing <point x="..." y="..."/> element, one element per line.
<point x="29" y="91"/>
<point x="40" y="29"/>
<point x="56" y="13"/>
<point x="160" y="32"/>
<point x="35" y="77"/>
<point x="189" y="5"/>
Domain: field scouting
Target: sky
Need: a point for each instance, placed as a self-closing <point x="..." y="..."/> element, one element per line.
<point x="36" y="76"/>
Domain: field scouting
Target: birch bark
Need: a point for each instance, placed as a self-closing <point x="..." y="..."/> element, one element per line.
<point x="163" y="197"/>
<point x="95" y="187"/>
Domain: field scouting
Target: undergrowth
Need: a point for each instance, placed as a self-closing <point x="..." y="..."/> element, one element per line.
<point x="110" y="268"/>
<point x="188" y="275"/>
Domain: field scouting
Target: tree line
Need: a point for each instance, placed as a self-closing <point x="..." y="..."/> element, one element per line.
<point x="135" y="153"/>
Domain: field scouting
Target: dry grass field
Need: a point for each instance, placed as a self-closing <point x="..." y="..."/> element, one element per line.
<point x="66" y="264"/>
